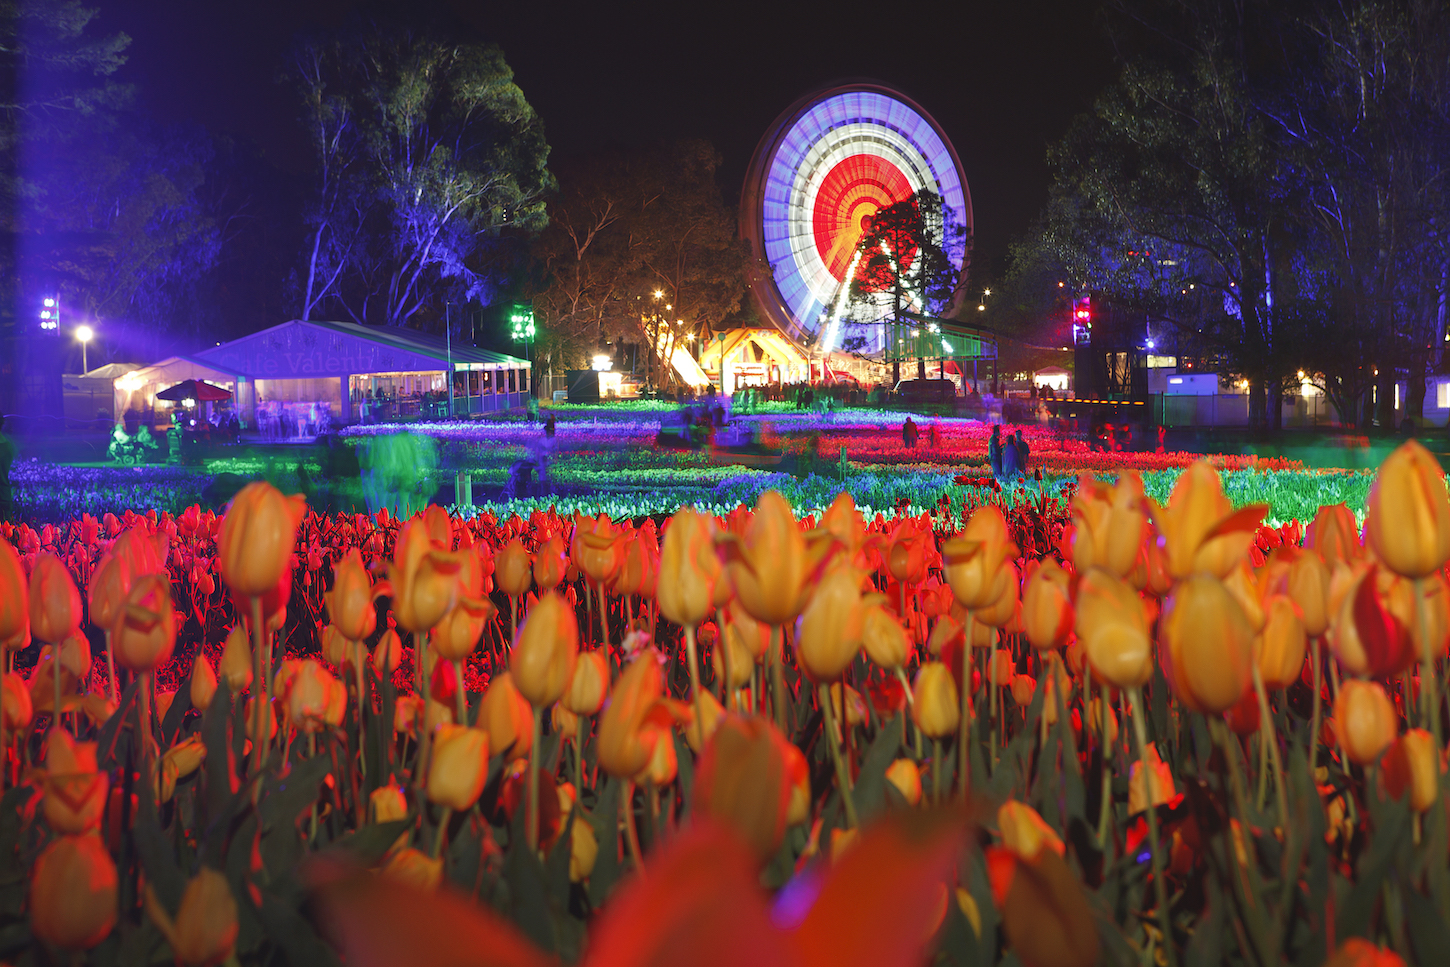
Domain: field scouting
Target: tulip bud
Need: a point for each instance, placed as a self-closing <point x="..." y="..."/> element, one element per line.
<point x="741" y="780"/>
<point x="424" y="578"/>
<point x="1334" y="535"/>
<point x="832" y="626"/>
<point x="414" y="869"/>
<point x="203" y="683"/>
<point x="73" y="893"/>
<point x="1047" y="612"/>
<point x="1282" y="644"/>
<point x="545" y="654"/>
<point x="256" y="538"/>
<point x="632" y="729"/>
<point x="589" y="684"/>
<point x="583" y="850"/>
<point x="205" y="930"/>
<point x="145" y="630"/>
<point x="689" y="568"/>
<point x="1307" y="584"/>
<point x="1001" y="668"/>
<point x="974" y="559"/>
<point x="1023" y="688"/>
<point x="389" y="653"/>
<point x="350" y="602"/>
<point x="1108" y="524"/>
<point x="75" y="789"/>
<point x="19" y="710"/>
<point x="1201" y="530"/>
<point x="459" y="767"/>
<point x="1025" y="832"/>
<point x="107" y="591"/>
<point x="236" y="661"/>
<point x="308" y="694"/>
<point x="513" y="570"/>
<point x="1407" y="516"/>
<point x="550" y="563"/>
<point x="55" y="604"/>
<point x="1151" y="787"/>
<point x="742" y="659"/>
<point x="507" y="718"/>
<point x="1365" y="720"/>
<point x="882" y="638"/>
<point x="1207" y="646"/>
<point x="1046" y="916"/>
<point x="14" y="598"/>
<point x="711" y="713"/>
<point x="1113" y="629"/>
<point x="1411" y="763"/>
<point x="904" y="775"/>
<point x="269" y="720"/>
<point x="937" y="710"/>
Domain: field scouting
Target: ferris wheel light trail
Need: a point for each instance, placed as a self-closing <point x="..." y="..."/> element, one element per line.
<point x="820" y="174"/>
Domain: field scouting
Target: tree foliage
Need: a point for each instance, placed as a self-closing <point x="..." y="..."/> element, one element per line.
<point x="1268" y="178"/>
<point x="640" y="249"/>
<point x="425" y="151"/>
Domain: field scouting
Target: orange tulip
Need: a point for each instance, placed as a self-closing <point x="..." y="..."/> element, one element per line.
<point x="843" y="522"/>
<point x="1282" y="644"/>
<point x="107" y="591"/>
<point x="19" y="709"/>
<point x="507" y="718"/>
<point x="882" y="638"/>
<point x="513" y="569"/>
<point x="204" y="932"/>
<point x="550" y="563"/>
<point x="908" y="552"/>
<point x="73" y="892"/>
<point x="974" y="560"/>
<point x="415" y="869"/>
<point x="1026" y="833"/>
<point x="423" y="577"/>
<point x="1411" y="763"/>
<point x="75" y="789"/>
<point x="256" y="538"/>
<point x="589" y="684"/>
<point x="145" y="630"/>
<point x="1046" y="915"/>
<point x="937" y="709"/>
<point x="1370" y="633"/>
<point x="1150" y="787"/>
<point x="388" y="655"/>
<point x="458" y="768"/>
<point x="350" y="602"/>
<point x="905" y="776"/>
<point x="1201" y="530"/>
<point x="773" y="564"/>
<point x="1047" y="612"/>
<point x="1334" y="535"/>
<point x="1307" y="583"/>
<point x="1113" y="628"/>
<point x="545" y="653"/>
<point x="596" y="548"/>
<point x="1207" y="646"/>
<point x="741" y="780"/>
<point x="689" y="568"/>
<point x="55" y="604"/>
<point x="832" y="625"/>
<point x="1108" y="524"/>
<point x="637" y="721"/>
<point x="308" y="695"/>
<point x="236" y="661"/>
<point x="1365" y="720"/>
<point x="1407" y="516"/>
<point x="14" y="599"/>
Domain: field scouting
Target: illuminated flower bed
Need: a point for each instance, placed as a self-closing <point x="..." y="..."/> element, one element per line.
<point x="1040" y="728"/>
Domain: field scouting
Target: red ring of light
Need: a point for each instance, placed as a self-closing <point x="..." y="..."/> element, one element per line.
<point x="854" y="190"/>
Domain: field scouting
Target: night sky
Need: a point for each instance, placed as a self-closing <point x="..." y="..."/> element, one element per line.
<point x="1001" y="78"/>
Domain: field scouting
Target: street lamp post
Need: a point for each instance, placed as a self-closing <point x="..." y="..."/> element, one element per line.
<point x="521" y="328"/>
<point x="85" y="334"/>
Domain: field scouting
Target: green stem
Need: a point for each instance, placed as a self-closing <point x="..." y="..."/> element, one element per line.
<point x="533" y="817"/>
<point x="111" y="671"/>
<point x="964" y="726"/>
<point x="1268" y="736"/>
<point x="777" y="678"/>
<point x="1314" y="720"/>
<point x="843" y="775"/>
<point x="259" y="693"/>
<point x="1429" y="690"/>
<point x="935" y="769"/>
<point x="578" y="758"/>
<point x="603" y="618"/>
<point x="438" y="835"/>
<point x="1160" y="888"/>
<point x="692" y="657"/>
<point x="631" y="834"/>
<point x="1107" y="755"/>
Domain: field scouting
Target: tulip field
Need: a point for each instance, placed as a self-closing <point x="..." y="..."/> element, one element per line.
<point x="1146" y="709"/>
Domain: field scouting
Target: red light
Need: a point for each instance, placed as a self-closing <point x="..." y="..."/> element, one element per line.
<point x="1082" y="313"/>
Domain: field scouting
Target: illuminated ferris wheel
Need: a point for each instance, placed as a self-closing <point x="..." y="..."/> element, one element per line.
<point x="827" y="165"/>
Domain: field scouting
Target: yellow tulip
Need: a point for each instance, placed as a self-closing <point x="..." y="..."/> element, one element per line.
<point x="350" y="602"/>
<point x="772" y="565"/>
<point x="507" y="718"/>
<point x="1108" y="524"/>
<point x="545" y="653"/>
<point x="55" y="604"/>
<point x="906" y="777"/>
<point x="73" y="892"/>
<point x="458" y="768"/>
<point x="1282" y="644"/>
<point x="256" y="538"/>
<point x="1412" y="764"/>
<point x="1407" y="516"/>
<point x="1047" y="612"/>
<point x="596" y="548"/>
<point x="1307" y="583"/>
<point x="236" y="661"/>
<point x="513" y="569"/>
<point x="1150" y="787"/>
<point x="1113" y="629"/>
<point x="741" y="780"/>
<point x="415" y="869"/>
<point x="937" y="709"/>
<point x="1207" y="646"/>
<point x="205" y="929"/>
<point x="974" y="559"/>
<point x="882" y="638"/>
<point x="589" y="685"/>
<point x="1026" y="833"/>
<point x="1201" y="530"/>
<point x="689" y="568"/>
<point x="832" y="625"/>
<point x="1365" y="720"/>
<point x="424" y="578"/>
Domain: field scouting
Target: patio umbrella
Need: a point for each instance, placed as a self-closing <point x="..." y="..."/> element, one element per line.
<point x="194" y="389"/>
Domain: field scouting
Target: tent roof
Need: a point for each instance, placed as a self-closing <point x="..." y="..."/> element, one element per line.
<point x="310" y="349"/>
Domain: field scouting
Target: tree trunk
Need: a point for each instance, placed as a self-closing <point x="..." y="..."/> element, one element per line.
<point x="1415" y="390"/>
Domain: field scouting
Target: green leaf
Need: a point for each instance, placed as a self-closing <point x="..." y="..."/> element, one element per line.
<point x="114" y="741"/>
<point x="1428" y="933"/>
<point x="605" y="820"/>
<point x="368" y="844"/>
<point x="556" y="868"/>
<point x="1205" y="947"/>
<point x="285" y="796"/>
<point x="180" y="705"/>
<point x="298" y="940"/>
<point x="157" y="857"/>
<point x="870" y="790"/>
<point x="528" y="887"/>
